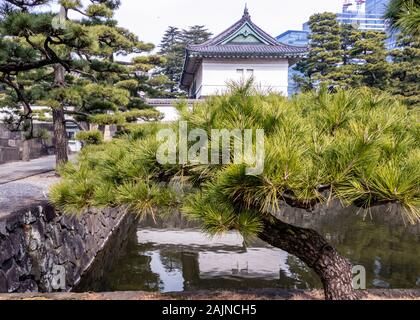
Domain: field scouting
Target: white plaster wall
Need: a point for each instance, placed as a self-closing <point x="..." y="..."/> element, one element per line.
<point x="269" y="75"/>
<point x="198" y="78"/>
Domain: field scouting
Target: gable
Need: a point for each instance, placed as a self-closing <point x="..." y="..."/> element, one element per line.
<point x="245" y="39"/>
<point x="247" y="35"/>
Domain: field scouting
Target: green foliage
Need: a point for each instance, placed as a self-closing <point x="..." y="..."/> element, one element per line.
<point x="101" y="10"/>
<point x="50" y="58"/>
<point x="144" y="198"/>
<point x="107" y="119"/>
<point x="144" y="114"/>
<point x="325" y="51"/>
<point x="405" y="71"/>
<point x="218" y="216"/>
<point x="172" y="47"/>
<point x="341" y="56"/>
<point x="90" y="137"/>
<point x="359" y="146"/>
<point x="368" y="52"/>
<point x="130" y="84"/>
<point x="404" y="15"/>
<point x="121" y="118"/>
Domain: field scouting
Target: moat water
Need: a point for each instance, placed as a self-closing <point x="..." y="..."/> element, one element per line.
<point x="174" y="256"/>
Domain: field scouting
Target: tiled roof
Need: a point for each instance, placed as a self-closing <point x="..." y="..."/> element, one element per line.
<point x="217" y="44"/>
<point x="245" y="49"/>
<point x="226" y="45"/>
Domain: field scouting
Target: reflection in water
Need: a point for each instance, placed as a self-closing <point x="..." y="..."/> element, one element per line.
<point x="174" y="256"/>
<point x="171" y="278"/>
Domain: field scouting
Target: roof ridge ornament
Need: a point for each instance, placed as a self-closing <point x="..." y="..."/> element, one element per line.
<point x="246" y="13"/>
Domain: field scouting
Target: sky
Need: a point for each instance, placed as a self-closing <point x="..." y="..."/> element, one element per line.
<point x="150" y="18"/>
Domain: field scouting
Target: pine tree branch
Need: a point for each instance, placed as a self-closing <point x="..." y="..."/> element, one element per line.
<point x="25" y="66"/>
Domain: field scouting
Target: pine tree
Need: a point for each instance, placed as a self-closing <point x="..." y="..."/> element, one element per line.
<point x="322" y="146"/>
<point x="173" y="46"/>
<point x="405" y="80"/>
<point x="404" y="15"/>
<point x="320" y="66"/>
<point x="370" y="59"/>
<point x="196" y="34"/>
<point x="347" y="75"/>
<point x="171" y="38"/>
<point x="341" y="56"/>
<point x="70" y="66"/>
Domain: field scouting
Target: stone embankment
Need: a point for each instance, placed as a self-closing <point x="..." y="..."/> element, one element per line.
<point x="43" y="250"/>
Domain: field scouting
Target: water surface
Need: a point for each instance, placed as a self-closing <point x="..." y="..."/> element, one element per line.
<point x="173" y="256"/>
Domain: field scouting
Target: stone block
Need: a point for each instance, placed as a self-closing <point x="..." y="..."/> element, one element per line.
<point x="55" y="233"/>
<point x="49" y="212"/>
<point x="78" y="246"/>
<point x="27" y="285"/>
<point x="9" y="154"/>
<point x="68" y="222"/>
<point x="12" y="143"/>
<point x="35" y="240"/>
<point x="12" y="276"/>
<point x="3" y="282"/>
<point x="6" y="250"/>
<point x="3" y="230"/>
<point x="17" y="240"/>
<point x="14" y="221"/>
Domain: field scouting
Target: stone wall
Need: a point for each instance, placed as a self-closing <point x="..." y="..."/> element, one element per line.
<point x="36" y="243"/>
<point x="11" y="143"/>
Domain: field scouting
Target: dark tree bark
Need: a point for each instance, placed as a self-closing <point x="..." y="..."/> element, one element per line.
<point x="26" y="152"/>
<point x="309" y="246"/>
<point x="59" y="121"/>
<point x="60" y="136"/>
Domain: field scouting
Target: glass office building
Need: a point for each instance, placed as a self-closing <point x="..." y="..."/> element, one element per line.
<point x="376" y="6"/>
<point x="371" y="18"/>
<point x="294" y="37"/>
<point x="362" y="21"/>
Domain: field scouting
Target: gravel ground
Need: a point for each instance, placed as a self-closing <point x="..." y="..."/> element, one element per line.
<point x="262" y="294"/>
<point x="23" y="183"/>
<point x="18" y="194"/>
<point x="13" y="171"/>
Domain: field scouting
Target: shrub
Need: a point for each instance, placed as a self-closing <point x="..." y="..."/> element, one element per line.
<point x="107" y="119"/>
<point x="90" y="137"/>
<point x="360" y="146"/>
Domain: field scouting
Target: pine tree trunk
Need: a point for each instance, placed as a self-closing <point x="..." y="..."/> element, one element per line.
<point x="60" y="134"/>
<point x="309" y="246"/>
<point x="26" y="150"/>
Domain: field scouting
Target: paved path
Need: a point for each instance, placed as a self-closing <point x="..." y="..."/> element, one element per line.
<point x="25" y="192"/>
<point x="13" y="171"/>
<point x="23" y="183"/>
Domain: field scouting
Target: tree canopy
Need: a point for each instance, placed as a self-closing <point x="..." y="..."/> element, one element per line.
<point x="342" y="56"/>
<point x="357" y="146"/>
<point x="360" y="146"/>
<point x="172" y="47"/>
<point x="404" y="18"/>
<point x="404" y="15"/>
<point x="70" y="66"/>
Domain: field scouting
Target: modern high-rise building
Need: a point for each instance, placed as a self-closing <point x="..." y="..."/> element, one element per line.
<point x="294" y="37"/>
<point x="367" y="17"/>
<point x="362" y="14"/>
<point x="376" y="6"/>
